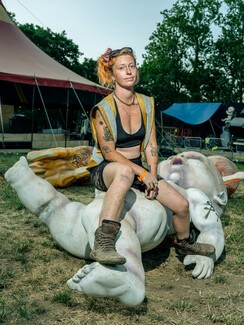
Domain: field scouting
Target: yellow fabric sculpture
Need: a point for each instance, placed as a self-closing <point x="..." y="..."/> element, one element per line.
<point x="62" y="166"/>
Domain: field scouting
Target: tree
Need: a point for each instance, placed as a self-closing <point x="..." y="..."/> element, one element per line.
<point x="88" y="69"/>
<point x="175" y="66"/>
<point x="229" y="53"/>
<point x="161" y="72"/>
<point x="56" y="45"/>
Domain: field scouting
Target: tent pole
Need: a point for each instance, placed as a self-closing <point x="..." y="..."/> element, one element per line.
<point x="32" y="115"/>
<point x="67" y="117"/>
<point x="1" y="116"/>
<point x="71" y="85"/>
<point x="162" y="124"/>
<point x="43" y="104"/>
<point x="212" y="128"/>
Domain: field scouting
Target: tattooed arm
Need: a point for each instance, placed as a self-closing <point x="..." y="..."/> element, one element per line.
<point x="105" y="139"/>
<point x="152" y="152"/>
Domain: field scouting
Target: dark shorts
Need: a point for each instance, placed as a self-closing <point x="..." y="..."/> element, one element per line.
<point x="97" y="176"/>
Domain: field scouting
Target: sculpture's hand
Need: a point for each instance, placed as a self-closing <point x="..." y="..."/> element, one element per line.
<point x="204" y="265"/>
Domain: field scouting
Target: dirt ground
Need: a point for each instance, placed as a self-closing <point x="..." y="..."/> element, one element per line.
<point x="34" y="271"/>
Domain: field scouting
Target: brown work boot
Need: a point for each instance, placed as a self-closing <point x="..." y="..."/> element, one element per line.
<point x="189" y="246"/>
<point x="104" y="250"/>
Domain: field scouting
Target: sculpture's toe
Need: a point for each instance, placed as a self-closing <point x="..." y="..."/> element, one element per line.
<point x="76" y="281"/>
<point x="83" y="272"/>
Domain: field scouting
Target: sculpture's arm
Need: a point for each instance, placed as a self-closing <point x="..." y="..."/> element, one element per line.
<point x="62" y="217"/>
<point x="206" y="219"/>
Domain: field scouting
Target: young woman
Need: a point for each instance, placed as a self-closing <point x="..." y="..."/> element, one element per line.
<point x="123" y="128"/>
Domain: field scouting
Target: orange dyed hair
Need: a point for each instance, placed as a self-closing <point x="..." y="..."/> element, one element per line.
<point x="105" y="64"/>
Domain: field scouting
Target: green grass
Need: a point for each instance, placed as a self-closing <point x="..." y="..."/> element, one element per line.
<point x="240" y="166"/>
<point x="64" y="297"/>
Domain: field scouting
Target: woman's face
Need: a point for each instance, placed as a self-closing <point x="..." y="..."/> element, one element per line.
<point x="125" y="71"/>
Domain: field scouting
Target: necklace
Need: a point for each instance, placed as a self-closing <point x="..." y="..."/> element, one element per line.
<point x="129" y="115"/>
<point x="127" y="104"/>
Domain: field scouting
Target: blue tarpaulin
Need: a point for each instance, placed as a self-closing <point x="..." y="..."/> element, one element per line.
<point x="192" y="113"/>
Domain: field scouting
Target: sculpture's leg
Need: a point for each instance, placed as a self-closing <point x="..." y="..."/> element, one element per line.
<point x="125" y="282"/>
<point x="93" y="280"/>
<point x="73" y="225"/>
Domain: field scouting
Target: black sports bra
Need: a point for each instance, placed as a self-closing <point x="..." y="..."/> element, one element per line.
<point x="126" y="140"/>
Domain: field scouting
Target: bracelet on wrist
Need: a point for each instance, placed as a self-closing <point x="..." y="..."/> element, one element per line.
<point x="142" y="176"/>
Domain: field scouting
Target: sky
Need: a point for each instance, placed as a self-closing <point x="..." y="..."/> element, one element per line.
<point x="95" y="25"/>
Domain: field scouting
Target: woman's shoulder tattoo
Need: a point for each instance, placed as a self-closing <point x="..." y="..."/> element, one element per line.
<point x="106" y="134"/>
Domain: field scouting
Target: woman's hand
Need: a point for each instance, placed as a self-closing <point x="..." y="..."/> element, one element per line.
<point x="151" y="194"/>
<point x="151" y="183"/>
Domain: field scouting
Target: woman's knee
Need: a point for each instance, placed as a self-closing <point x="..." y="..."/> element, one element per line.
<point x="125" y="172"/>
<point x="184" y="208"/>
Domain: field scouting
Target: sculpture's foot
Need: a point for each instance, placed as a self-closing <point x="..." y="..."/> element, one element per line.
<point x="109" y="281"/>
<point x="16" y="169"/>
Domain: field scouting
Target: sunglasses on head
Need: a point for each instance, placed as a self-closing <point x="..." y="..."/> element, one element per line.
<point x="115" y="53"/>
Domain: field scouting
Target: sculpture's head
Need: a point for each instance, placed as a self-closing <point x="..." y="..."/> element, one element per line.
<point x="230" y="110"/>
<point x="192" y="170"/>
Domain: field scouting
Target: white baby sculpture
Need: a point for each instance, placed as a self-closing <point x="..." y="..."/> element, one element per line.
<point x="144" y="224"/>
<point x="229" y="114"/>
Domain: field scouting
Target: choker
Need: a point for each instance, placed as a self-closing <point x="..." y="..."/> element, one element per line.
<point x="127" y="104"/>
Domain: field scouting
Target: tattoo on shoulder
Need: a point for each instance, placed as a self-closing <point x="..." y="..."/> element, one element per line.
<point x="106" y="135"/>
<point x="106" y="149"/>
<point x="99" y="118"/>
<point x="98" y="114"/>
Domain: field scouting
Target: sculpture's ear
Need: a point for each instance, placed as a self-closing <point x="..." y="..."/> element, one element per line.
<point x="221" y="198"/>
